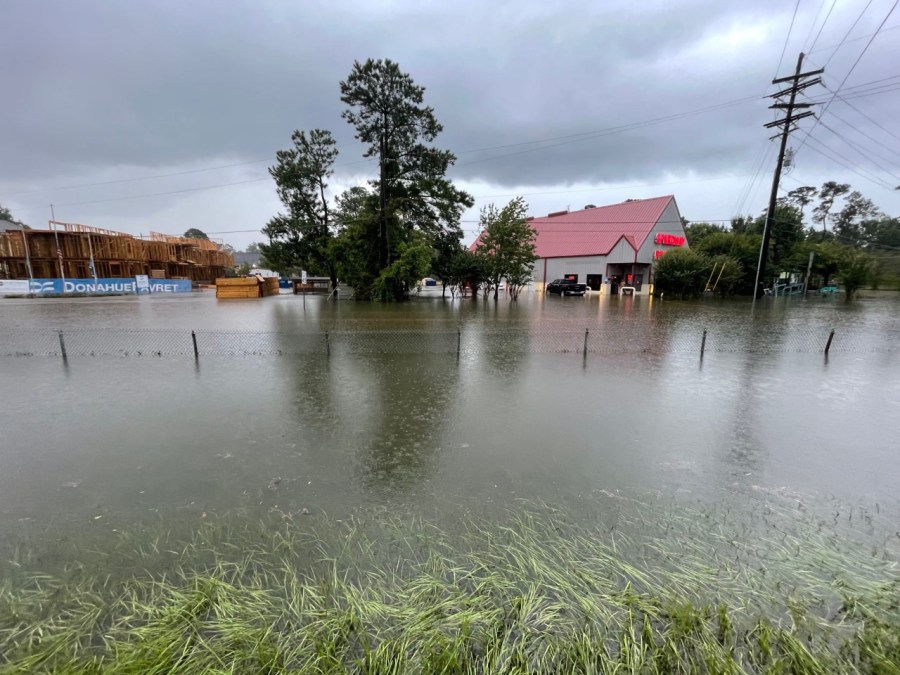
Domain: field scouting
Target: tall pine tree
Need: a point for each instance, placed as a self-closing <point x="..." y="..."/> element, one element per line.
<point x="388" y="112"/>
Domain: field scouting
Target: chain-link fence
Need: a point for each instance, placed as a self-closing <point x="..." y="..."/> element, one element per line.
<point x="609" y="339"/>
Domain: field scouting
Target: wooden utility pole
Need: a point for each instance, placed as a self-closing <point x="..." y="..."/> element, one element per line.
<point x="799" y="82"/>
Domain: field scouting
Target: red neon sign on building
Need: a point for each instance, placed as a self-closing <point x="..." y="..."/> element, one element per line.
<point x="669" y="239"/>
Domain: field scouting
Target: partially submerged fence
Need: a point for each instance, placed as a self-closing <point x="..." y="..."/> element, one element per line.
<point x="610" y="339"/>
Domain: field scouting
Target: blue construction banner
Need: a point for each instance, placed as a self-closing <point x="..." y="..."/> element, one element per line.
<point x="107" y="286"/>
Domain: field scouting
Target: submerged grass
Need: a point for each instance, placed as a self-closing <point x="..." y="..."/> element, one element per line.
<point x="648" y="591"/>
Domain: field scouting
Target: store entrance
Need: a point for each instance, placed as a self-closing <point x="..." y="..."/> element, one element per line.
<point x="594" y="281"/>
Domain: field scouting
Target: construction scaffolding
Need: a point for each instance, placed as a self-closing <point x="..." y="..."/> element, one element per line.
<point x="72" y="250"/>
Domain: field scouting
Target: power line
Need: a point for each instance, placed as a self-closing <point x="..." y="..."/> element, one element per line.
<point x="830" y="9"/>
<point x="850" y="72"/>
<point x="856" y="39"/>
<point x="862" y="85"/>
<point x="858" y="150"/>
<point x="568" y="138"/>
<point x="139" y="178"/>
<point x="871" y="138"/>
<point x="812" y="26"/>
<point x="858" y="171"/>
<point x="616" y="130"/>
<point x="604" y="189"/>
<point x="152" y="194"/>
<point x="847" y="34"/>
<point x="884" y="89"/>
<point x="883" y="128"/>
<point x="765" y="150"/>
<point x="788" y="37"/>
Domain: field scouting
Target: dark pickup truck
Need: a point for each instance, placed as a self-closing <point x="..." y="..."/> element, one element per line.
<point x="566" y="287"/>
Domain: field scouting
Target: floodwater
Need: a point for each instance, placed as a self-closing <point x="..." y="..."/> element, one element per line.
<point x="104" y="441"/>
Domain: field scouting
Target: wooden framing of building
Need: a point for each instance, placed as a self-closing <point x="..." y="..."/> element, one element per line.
<point x="66" y="249"/>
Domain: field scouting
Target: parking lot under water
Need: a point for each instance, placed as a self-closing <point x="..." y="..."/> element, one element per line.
<point x="104" y="441"/>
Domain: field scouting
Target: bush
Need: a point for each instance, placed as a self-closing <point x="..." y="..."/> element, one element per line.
<point x="682" y="272"/>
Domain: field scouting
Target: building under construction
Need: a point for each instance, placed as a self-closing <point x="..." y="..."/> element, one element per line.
<point x="78" y="251"/>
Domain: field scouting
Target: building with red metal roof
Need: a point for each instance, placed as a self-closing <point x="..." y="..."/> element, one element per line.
<point x="614" y="245"/>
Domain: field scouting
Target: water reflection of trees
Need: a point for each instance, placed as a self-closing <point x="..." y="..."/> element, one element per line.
<point x="372" y="411"/>
<point x="414" y="396"/>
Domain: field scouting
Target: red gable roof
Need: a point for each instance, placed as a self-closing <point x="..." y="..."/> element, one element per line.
<point x="596" y="231"/>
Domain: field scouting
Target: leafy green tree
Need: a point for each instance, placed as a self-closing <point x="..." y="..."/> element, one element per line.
<point x="697" y="232"/>
<point x="194" y="233"/>
<point x="507" y="245"/>
<point x="829" y="191"/>
<point x="743" y="248"/>
<point x="467" y="269"/>
<point x="787" y="232"/>
<point x="745" y="225"/>
<point x="447" y="247"/>
<point x="826" y="260"/>
<point x="252" y="247"/>
<point x="412" y="263"/>
<point x="681" y="272"/>
<point x="800" y="198"/>
<point x="855" y="269"/>
<point x="355" y="257"/>
<point x="849" y="222"/>
<point x="883" y="232"/>
<point x="244" y="269"/>
<point x="716" y="243"/>
<point x="301" y="236"/>
<point x="413" y="193"/>
<point x="6" y="214"/>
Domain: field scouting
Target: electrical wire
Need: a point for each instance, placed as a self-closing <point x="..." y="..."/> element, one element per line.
<point x="830" y="9"/>
<point x="878" y="143"/>
<point x="847" y="34"/>
<point x="849" y="73"/>
<point x="788" y="37"/>
<point x="856" y="39"/>
<point x="864" y="154"/>
<point x="617" y="130"/>
<point x="824" y="150"/>
<point x="877" y="124"/>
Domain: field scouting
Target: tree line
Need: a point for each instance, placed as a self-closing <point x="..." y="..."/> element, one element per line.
<point x="382" y="238"/>
<point x="851" y="240"/>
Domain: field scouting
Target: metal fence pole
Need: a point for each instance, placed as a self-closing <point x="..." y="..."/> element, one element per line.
<point x="196" y="351"/>
<point x="584" y="352"/>
<point x="62" y="344"/>
<point x="828" y="344"/>
<point x="327" y="345"/>
<point x="703" y="343"/>
<point x="458" y="340"/>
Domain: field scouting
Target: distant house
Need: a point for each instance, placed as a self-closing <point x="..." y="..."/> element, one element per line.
<point x="613" y="244"/>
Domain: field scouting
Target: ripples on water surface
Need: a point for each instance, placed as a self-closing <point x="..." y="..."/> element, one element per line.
<point x="112" y="440"/>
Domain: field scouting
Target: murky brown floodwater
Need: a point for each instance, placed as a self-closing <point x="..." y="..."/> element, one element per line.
<point x="129" y="438"/>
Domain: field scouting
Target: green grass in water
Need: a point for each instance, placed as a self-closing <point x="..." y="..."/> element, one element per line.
<point x="649" y="591"/>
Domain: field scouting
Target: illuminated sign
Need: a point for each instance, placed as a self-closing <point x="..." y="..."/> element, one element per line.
<point x="669" y="239"/>
<point x="658" y="254"/>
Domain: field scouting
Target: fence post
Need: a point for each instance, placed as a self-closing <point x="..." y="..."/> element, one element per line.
<point x="584" y="352"/>
<point x="703" y="344"/>
<point x="327" y="345"/>
<point x="196" y="351"/>
<point x="62" y="345"/>
<point x="458" y="340"/>
<point x="827" y="344"/>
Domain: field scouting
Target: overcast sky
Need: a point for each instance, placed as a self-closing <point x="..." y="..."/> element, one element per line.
<point x="108" y="103"/>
